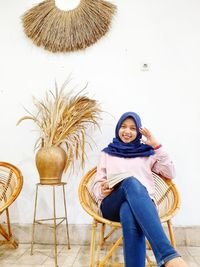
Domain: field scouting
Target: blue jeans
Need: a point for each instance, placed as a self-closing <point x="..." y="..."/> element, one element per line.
<point x="131" y="205"/>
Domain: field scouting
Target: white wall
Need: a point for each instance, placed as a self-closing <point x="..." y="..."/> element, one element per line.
<point x="164" y="34"/>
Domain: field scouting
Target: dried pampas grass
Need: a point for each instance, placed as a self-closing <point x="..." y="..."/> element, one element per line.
<point x="63" y="118"/>
<point x="63" y="31"/>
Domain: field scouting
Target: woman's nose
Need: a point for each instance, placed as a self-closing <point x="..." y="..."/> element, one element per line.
<point x="127" y="130"/>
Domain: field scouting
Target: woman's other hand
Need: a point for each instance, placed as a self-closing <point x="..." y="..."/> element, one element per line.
<point x="149" y="138"/>
<point x="105" y="190"/>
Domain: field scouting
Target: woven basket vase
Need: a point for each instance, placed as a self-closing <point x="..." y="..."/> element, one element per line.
<point x="50" y="163"/>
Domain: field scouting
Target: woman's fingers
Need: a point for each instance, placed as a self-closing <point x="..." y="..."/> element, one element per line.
<point x="145" y="132"/>
<point x="104" y="185"/>
<point x="105" y="188"/>
<point x="150" y="139"/>
<point x="108" y="190"/>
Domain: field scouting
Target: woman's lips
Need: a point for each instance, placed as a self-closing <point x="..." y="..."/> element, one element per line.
<point x="127" y="136"/>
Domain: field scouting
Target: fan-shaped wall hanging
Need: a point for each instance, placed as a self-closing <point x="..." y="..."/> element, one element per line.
<point x="63" y="31"/>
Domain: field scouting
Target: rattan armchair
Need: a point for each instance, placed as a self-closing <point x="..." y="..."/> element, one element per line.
<point x="167" y="201"/>
<point x="11" y="181"/>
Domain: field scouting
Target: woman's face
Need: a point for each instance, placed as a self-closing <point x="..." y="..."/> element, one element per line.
<point x="128" y="131"/>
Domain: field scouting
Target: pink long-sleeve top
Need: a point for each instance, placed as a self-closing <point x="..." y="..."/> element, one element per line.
<point x="139" y="167"/>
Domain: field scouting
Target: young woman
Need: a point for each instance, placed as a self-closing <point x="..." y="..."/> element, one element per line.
<point x="131" y="160"/>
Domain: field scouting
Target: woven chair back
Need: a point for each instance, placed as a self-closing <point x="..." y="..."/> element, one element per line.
<point x="166" y="197"/>
<point x="11" y="182"/>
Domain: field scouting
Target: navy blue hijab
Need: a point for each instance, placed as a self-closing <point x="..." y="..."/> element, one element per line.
<point x="128" y="150"/>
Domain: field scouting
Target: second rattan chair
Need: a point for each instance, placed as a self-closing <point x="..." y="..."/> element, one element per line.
<point x="11" y="181"/>
<point x="167" y="201"/>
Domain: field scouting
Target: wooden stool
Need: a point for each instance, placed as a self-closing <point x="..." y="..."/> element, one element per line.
<point x="54" y="219"/>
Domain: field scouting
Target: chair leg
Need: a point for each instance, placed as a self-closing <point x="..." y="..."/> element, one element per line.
<point x="8" y="222"/>
<point x="92" y="244"/>
<point x="8" y="234"/>
<point x="3" y="232"/>
<point x="110" y="252"/>
<point x="100" y="242"/>
<point x="101" y="237"/>
<point x="171" y="234"/>
<point x="150" y="263"/>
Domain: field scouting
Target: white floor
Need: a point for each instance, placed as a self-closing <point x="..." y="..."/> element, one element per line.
<point x="77" y="256"/>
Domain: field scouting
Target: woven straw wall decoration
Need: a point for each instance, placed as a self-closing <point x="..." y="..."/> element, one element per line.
<point x="63" y="31"/>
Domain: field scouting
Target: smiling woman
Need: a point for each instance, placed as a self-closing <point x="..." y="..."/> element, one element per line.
<point x="125" y="191"/>
<point x="59" y="30"/>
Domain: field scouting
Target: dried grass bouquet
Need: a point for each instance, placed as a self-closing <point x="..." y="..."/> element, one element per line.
<point x="63" y="118"/>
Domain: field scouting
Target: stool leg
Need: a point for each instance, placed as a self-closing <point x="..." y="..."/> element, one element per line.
<point x="66" y="220"/>
<point x="54" y="219"/>
<point x="34" y="217"/>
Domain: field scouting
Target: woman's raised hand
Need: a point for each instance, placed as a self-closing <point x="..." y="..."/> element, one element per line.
<point x="149" y="138"/>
